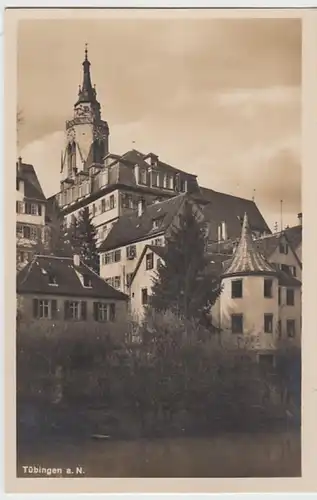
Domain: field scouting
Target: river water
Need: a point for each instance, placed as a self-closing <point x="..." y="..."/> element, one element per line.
<point x="276" y="454"/>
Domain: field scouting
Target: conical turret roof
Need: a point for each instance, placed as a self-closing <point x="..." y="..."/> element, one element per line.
<point x="247" y="260"/>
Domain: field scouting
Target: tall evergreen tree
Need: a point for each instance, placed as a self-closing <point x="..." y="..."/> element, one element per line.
<point x="182" y="284"/>
<point x="56" y="240"/>
<point x="83" y="239"/>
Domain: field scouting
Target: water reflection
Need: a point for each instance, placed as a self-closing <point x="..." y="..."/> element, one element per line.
<point x="226" y="455"/>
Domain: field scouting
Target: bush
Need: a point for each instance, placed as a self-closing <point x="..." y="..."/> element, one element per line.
<point x="178" y="370"/>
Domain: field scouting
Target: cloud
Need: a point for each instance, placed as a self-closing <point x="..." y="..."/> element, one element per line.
<point x="276" y="95"/>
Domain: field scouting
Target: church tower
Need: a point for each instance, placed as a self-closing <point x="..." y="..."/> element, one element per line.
<point x="87" y="135"/>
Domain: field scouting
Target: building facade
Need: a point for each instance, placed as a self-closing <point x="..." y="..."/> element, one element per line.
<point x="259" y="308"/>
<point x="60" y="289"/>
<point x="260" y="304"/>
<point x="30" y="213"/>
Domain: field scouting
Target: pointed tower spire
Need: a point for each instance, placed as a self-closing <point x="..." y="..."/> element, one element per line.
<point x="247" y="259"/>
<point x="87" y="93"/>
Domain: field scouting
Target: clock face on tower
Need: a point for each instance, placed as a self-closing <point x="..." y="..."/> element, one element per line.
<point x="100" y="133"/>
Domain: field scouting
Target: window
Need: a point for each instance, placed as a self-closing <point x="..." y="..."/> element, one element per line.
<point x="75" y="310"/>
<point x="268" y="323"/>
<point x="155" y="178"/>
<point x="158" y="263"/>
<point x="290" y="297"/>
<point x="102" y="312"/>
<point x="158" y="242"/>
<point x="143" y="176"/>
<point x="283" y="247"/>
<point x="44" y="308"/>
<point x="19" y="230"/>
<point x="170" y="182"/>
<point x="26" y="232"/>
<point x="286" y="268"/>
<point x="34" y="233"/>
<point x="86" y="281"/>
<point x="290" y="328"/>
<point x="93" y="209"/>
<point x="237" y="323"/>
<point x="149" y="261"/>
<point x="268" y="288"/>
<point x="108" y="258"/>
<point x="131" y="252"/>
<point x="103" y="206"/>
<point x="17" y="184"/>
<point x="144" y="296"/>
<point x="117" y="282"/>
<point x="112" y="202"/>
<point x="51" y="279"/>
<point x="129" y="279"/>
<point x="125" y="201"/>
<point x="236" y="289"/>
<point x="117" y="255"/>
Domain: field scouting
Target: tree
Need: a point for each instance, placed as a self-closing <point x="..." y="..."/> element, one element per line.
<point x="56" y="238"/>
<point x="182" y="283"/>
<point x="83" y="239"/>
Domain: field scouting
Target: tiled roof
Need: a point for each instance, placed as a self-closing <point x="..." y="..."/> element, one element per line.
<point x="294" y="235"/>
<point x="131" y="228"/>
<point x="32" y="279"/>
<point x="247" y="259"/>
<point x="136" y="157"/>
<point x="268" y="244"/>
<point x="231" y="209"/>
<point x="32" y="187"/>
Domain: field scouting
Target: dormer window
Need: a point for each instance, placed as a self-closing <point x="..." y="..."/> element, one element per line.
<point x="87" y="281"/>
<point x="157" y="223"/>
<point x="283" y="247"/>
<point x="52" y="280"/>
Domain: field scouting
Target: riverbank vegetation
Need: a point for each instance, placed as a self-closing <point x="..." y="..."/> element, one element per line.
<point x="177" y="379"/>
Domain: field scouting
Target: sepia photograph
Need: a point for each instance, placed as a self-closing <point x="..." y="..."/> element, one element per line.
<point x="158" y="247"/>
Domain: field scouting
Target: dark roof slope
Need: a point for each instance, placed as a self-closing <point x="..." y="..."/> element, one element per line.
<point x="32" y="187"/>
<point x="131" y="228"/>
<point x="294" y="235"/>
<point x="231" y="209"/>
<point x="34" y="278"/>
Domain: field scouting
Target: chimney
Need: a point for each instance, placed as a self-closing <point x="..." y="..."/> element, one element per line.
<point x="76" y="260"/>
<point x="19" y="166"/>
<point x="140" y="207"/>
<point x="224" y="230"/>
<point x="219" y="233"/>
<point x="300" y="218"/>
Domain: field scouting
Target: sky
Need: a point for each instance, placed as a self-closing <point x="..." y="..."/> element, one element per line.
<point x="220" y="98"/>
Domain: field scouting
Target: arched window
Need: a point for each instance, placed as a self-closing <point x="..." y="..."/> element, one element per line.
<point x="69" y="159"/>
<point x="73" y="155"/>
